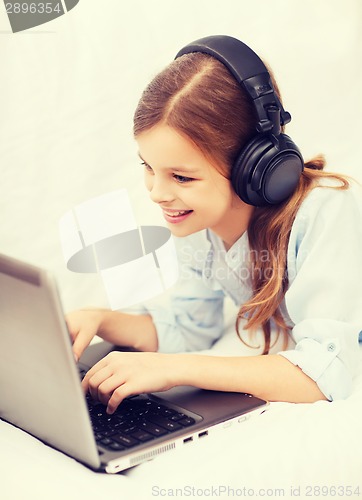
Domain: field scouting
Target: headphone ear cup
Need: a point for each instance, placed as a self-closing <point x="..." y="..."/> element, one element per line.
<point x="243" y="168"/>
<point x="267" y="172"/>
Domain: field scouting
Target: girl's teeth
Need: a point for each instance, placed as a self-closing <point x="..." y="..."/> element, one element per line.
<point x="177" y="214"/>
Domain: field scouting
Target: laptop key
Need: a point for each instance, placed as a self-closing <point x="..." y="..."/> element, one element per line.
<point x="107" y="433"/>
<point x="177" y="416"/>
<point x="116" y="446"/>
<point x="98" y="427"/>
<point x="186" y="421"/>
<point x="127" y="428"/>
<point x="105" y="441"/>
<point x="142" y="436"/>
<point x="156" y="430"/>
<point x="125" y="440"/>
<point x="165" y="423"/>
<point x="167" y="412"/>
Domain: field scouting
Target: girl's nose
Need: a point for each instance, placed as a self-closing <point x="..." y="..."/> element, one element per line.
<point x="160" y="191"/>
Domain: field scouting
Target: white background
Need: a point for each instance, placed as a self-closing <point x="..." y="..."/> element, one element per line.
<point x="68" y="90"/>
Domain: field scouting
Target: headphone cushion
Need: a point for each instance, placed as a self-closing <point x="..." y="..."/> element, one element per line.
<point x="244" y="165"/>
<point x="267" y="172"/>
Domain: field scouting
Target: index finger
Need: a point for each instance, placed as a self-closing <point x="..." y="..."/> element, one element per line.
<point x="79" y="344"/>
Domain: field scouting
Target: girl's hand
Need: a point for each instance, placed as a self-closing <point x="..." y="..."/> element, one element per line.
<point x="83" y="325"/>
<point x="122" y="374"/>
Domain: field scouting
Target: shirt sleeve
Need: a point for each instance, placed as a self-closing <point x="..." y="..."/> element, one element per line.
<point x="324" y="299"/>
<point x="191" y="316"/>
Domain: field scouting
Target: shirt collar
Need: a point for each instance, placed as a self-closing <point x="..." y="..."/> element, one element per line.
<point x="237" y="253"/>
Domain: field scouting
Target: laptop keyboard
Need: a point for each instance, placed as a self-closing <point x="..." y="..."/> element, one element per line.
<point x="138" y="419"/>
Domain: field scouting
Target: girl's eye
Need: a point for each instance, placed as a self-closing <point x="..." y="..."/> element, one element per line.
<point x="182" y="179"/>
<point x="146" y="166"/>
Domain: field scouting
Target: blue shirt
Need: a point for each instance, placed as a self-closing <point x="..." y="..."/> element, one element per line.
<point x="323" y="303"/>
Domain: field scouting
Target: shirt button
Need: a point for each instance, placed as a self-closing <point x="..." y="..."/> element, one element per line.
<point x="331" y="347"/>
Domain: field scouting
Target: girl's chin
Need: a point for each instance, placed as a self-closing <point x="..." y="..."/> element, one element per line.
<point x="184" y="225"/>
<point x="182" y="231"/>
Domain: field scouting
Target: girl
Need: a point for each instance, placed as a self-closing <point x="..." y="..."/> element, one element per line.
<point x="290" y="264"/>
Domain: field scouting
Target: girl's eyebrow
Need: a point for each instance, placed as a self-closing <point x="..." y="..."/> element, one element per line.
<point x="174" y="169"/>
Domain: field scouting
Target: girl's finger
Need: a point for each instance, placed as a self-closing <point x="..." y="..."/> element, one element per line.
<point x="80" y="342"/>
<point x="97" y="368"/>
<point x="107" y="387"/>
<point x="123" y="391"/>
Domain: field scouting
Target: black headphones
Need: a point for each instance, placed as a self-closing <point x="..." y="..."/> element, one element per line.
<point x="268" y="168"/>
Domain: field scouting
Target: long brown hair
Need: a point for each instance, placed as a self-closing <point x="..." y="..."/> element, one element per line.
<point x="198" y="97"/>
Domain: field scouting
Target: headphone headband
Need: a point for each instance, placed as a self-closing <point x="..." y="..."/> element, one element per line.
<point x="250" y="72"/>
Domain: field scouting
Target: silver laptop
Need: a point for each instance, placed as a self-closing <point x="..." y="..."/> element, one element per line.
<point x="40" y="390"/>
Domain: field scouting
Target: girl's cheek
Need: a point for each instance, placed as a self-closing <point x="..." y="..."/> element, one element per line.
<point x="148" y="181"/>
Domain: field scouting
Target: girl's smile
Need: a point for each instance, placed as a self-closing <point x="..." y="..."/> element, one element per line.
<point x="175" y="216"/>
<point x="191" y="192"/>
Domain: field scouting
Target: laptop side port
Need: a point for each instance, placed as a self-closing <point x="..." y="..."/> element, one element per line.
<point x="188" y="439"/>
<point x="202" y="434"/>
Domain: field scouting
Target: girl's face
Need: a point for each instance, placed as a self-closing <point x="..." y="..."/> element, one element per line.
<point x="191" y="193"/>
